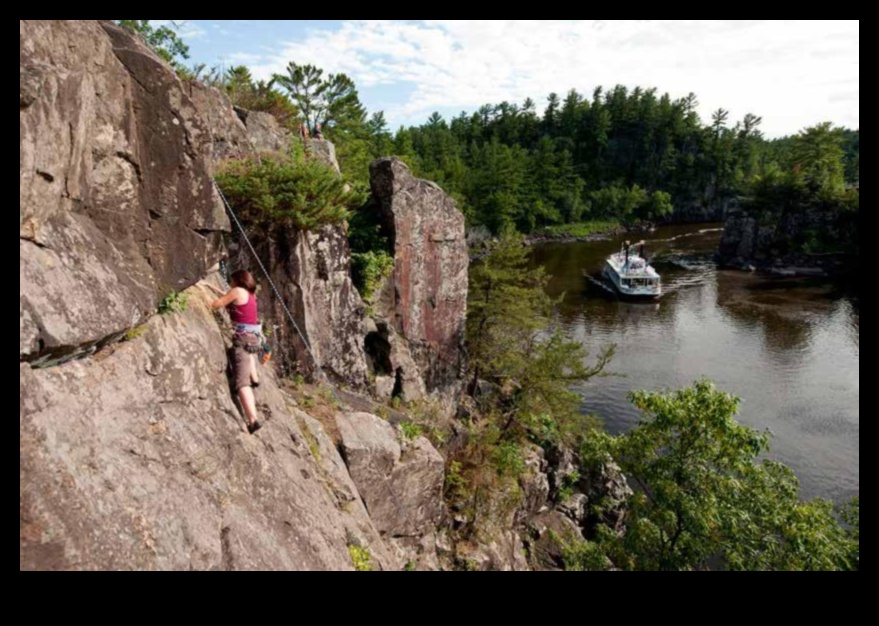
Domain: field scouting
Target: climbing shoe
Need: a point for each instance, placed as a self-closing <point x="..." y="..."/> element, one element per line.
<point x="254" y="428"/>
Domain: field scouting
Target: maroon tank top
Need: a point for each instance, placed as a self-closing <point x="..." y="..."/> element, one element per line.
<point x="247" y="314"/>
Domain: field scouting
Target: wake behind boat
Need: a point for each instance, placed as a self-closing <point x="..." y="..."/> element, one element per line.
<point x="632" y="275"/>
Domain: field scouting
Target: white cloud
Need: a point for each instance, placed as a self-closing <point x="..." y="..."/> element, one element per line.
<point x="187" y="29"/>
<point x="792" y="72"/>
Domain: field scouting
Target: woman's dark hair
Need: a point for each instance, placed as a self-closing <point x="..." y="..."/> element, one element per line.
<point x="245" y="280"/>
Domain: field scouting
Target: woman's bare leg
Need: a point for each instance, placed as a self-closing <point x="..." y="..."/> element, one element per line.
<point x="254" y="371"/>
<point x="248" y="403"/>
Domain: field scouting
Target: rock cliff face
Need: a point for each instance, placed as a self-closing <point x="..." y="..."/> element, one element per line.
<point x="312" y="270"/>
<point x="116" y="203"/>
<point x="132" y="455"/>
<point x="417" y="341"/>
<point x="313" y="273"/>
<point x="749" y="242"/>
<point x="136" y="459"/>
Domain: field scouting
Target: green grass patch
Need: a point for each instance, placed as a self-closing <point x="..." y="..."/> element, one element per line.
<point x="135" y="333"/>
<point x="174" y="303"/>
<point x="360" y="558"/>
<point x="584" y="229"/>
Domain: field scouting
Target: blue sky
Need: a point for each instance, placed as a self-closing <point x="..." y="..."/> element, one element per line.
<point x="793" y="73"/>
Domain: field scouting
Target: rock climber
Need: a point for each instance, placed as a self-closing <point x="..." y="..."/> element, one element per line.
<point x="247" y="341"/>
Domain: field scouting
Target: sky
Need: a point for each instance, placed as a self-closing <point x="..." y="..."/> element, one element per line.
<point x="793" y="73"/>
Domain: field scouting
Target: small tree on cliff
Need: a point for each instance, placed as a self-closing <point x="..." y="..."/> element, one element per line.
<point x="164" y="39"/>
<point x="513" y="345"/>
<point x="704" y="494"/>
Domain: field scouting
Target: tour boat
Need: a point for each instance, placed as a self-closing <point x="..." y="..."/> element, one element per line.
<point x="631" y="273"/>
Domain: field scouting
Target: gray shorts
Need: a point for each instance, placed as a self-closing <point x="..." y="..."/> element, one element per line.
<point x="244" y="350"/>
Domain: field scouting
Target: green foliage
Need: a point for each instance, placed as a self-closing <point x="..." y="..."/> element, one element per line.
<point x="631" y="205"/>
<point x="260" y="95"/>
<point x="456" y="482"/>
<point x="851" y="515"/>
<point x="808" y="176"/>
<point x="508" y="460"/>
<point x="410" y="567"/>
<point x="520" y="382"/>
<point x="581" y="556"/>
<point x="288" y="193"/>
<point x="369" y="269"/>
<point x="569" y="486"/>
<point x="332" y="100"/>
<point x="510" y="166"/>
<point x="164" y="40"/>
<point x="410" y="431"/>
<point x="174" y="303"/>
<point x="704" y="493"/>
<point x="136" y="333"/>
<point x="584" y="229"/>
<point x="361" y="559"/>
<point x="508" y="315"/>
<point x="818" y="157"/>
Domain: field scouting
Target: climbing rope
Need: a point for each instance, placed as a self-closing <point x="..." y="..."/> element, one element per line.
<point x="320" y="372"/>
<point x="265" y="272"/>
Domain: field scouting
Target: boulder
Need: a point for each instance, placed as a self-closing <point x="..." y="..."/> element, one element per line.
<point x="549" y="534"/>
<point x="501" y="550"/>
<point x="116" y="204"/>
<point x="264" y="132"/>
<point x="424" y="303"/>
<point x="325" y="152"/>
<point x="534" y="484"/>
<point x="401" y="483"/>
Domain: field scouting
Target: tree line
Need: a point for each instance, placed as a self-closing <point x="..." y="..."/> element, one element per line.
<point x="621" y="154"/>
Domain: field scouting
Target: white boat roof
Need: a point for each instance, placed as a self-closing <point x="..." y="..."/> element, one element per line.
<point x="638" y="267"/>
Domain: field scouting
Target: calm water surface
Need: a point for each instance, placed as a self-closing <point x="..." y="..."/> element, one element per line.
<point x="789" y="349"/>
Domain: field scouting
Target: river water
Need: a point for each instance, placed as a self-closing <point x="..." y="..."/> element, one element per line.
<point x="789" y="349"/>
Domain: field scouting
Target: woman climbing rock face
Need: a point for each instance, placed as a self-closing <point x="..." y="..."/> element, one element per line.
<point x="247" y="340"/>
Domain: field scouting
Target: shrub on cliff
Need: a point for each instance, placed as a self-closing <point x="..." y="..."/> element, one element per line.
<point x="287" y="192"/>
<point x="705" y="493"/>
<point x="369" y="269"/>
<point x="520" y="380"/>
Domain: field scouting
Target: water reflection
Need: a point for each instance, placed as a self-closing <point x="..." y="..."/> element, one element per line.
<point x="790" y="350"/>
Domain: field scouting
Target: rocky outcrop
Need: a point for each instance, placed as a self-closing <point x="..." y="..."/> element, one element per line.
<point x="312" y="270"/>
<point x="325" y="152"/>
<point x="421" y="311"/>
<point x="401" y="483"/>
<point x="744" y="238"/>
<point x="777" y="243"/>
<point x="228" y="133"/>
<point x="136" y="459"/>
<point x="116" y="205"/>
<point x="264" y="133"/>
<point x="132" y="454"/>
